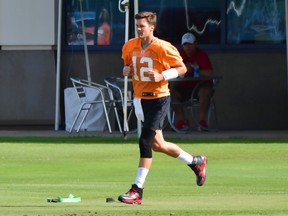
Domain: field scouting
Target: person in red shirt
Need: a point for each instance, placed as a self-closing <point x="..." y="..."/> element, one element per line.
<point x="193" y="57"/>
<point x="152" y="62"/>
<point x="104" y="31"/>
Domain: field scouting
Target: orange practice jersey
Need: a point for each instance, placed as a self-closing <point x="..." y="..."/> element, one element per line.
<point x="158" y="56"/>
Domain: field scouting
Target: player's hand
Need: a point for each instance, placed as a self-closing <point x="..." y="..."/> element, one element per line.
<point x="128" y="70"/>
<point x="155" y="76"/>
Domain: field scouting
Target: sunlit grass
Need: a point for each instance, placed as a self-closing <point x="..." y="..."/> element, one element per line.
<point x="243" y="178"/>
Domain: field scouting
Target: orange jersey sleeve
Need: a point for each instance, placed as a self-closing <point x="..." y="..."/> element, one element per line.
<point x="158" y="56"/>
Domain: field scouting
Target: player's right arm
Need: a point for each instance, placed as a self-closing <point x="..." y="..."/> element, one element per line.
<point x="128" y="66"/>
<point x="128" y="70"/>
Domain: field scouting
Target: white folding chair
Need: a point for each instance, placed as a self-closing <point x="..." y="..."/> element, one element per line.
<point x="80" y="87"/>
<point x="117" y="99"/>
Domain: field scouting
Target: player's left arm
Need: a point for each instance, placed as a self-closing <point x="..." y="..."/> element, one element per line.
<point x="181" y="68"/>
<point x="175" y="71"/>
<point x="172" y="61"/>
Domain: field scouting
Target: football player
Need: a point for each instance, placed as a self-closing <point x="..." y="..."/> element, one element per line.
<point x="152" y="62"/>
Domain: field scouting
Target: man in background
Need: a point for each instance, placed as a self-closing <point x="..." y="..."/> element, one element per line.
<point x="195" y="59"/>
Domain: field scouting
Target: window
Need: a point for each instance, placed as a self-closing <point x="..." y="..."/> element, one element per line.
<point x="255" y="21"/>
<point x="218" y="23"/>
<point x="104" y="24"/>
<point x="175" y="18"/>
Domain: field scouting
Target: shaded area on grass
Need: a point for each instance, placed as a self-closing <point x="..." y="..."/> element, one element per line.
<point x="117" y="140"/>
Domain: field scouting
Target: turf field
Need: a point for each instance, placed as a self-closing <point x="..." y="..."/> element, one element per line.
<point x="244" y="177"/>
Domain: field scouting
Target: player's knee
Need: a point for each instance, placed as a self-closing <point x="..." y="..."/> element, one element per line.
<point x="160" y="146"/>
<point x="156" y="147"/>
<point x="145" y="142"/>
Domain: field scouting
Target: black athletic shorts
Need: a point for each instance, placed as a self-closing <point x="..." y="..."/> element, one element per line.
<point x="155" y="111"/>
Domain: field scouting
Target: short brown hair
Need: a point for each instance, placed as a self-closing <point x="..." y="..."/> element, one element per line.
<point x="151" y="17"/>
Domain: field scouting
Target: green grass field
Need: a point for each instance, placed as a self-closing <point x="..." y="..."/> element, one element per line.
<point x="244" y="177"/>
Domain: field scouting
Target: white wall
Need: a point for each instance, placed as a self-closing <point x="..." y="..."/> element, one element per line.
<point x="27" y="23"/>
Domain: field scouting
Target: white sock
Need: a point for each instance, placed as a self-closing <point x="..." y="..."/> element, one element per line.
<point x="185" y="157"/>
<point x="141" y="176"/>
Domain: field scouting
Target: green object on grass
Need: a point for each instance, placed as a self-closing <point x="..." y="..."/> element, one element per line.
<point x="69" y="199"/>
